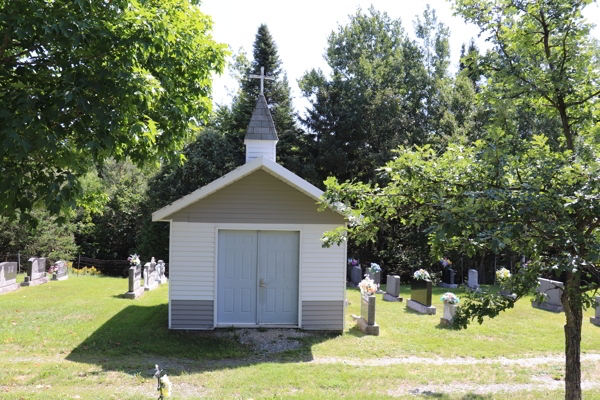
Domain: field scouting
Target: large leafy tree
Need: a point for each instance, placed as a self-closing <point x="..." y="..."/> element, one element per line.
<point x="82" y="81"/>
<point x="537" y="195"/>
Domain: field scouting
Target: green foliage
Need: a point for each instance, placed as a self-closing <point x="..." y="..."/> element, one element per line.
<point x="209" y="157"/>
<point x="85" y="81"/>
<point x="46" y="239"/>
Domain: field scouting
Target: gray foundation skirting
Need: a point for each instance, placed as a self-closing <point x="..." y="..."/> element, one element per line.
<point x="418" y="307"/>
<point x="326" y="315"/>
<point x="547" y="306"/>
<point x="192" y="314"/>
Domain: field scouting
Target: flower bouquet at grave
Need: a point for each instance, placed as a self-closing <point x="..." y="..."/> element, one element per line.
<point x="375" y="268"/>
<point x="367" y="286"/>
<point x="503" y="278"/>
<point x="450" y="298"/>
<point x="421" y="275"/>
<point x="53" y="269"/>
<point x="134" y="260"/>
<point x="445" y="262"/>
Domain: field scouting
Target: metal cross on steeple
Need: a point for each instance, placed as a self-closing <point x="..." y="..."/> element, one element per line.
<point x="262" y="78"/>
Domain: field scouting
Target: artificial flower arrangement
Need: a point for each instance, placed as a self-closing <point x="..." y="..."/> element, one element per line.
<point x="450" y="298"/>
<point x="445" y="262"/>
<point x="503" y="274"/>
<point x="53" y="269"/>
<point x="165" y="386"/>
<point x="421" y="274"/>
<point x="375" y="268"/>
<point x="367" y="286"/>
<point x="134" y="260"/>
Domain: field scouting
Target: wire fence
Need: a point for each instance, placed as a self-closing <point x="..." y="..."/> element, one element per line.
<point x="79" y="264"/>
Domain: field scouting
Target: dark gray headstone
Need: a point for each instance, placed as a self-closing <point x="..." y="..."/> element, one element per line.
<point x="367" y="309"/>
<point x="393" y="285"/>
<point x="36" y="269"/>
<point x="448" y="276"/>
<point x="376" y="277"/>
<point x="356" y="275"/>
<point x="8" y="273"/>
<point x="421" y="292"/>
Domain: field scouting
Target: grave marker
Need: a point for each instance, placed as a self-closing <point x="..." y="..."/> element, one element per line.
<point x="62" y="272"/>
<point x="553" y="291"/>
<point x="366" y="321"/>
<point x="356" y="275"/>
<point x="392" y="289"/>
<point x="160" y="273"/>
<point x="420" y="297"/>
<point x="36" y="272"/>
<point x="135" y="288"/>
<point x="8" y="277"/>
<point x="150" y="282"/>
<point x="473" y="282"/>
<point x="596" y="320"/>
<point x="448" y="279"/>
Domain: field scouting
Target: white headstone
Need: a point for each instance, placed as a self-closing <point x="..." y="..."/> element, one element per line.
<point x="473" y="281"/>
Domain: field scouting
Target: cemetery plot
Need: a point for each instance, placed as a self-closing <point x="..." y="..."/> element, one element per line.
<point x="392" y="289"/>
<point x="61" y="271"/>
<point x="36" y="272"/>
<point x="150" y="282"/>
<point x="135" y="288"/>
<point x="448" y="279"/>
<point x="366" y="321"/>
<point x="420" y="297"/>
<point x="552" y="291"/>
<point x="8" y="277"/>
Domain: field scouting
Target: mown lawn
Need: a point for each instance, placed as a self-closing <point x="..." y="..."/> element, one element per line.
<point x="80" y="338"/>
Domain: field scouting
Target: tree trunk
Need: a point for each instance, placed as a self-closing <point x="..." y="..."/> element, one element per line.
<point x="482" y="269"/>
<point x="574" y="315"/>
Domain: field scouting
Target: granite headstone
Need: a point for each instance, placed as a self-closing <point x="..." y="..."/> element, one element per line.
<point x="392" y="289"/>
<point x="356" y="275"/>
<point x="553" y="291"/>
<point x="596" y="320"/>
<point x="36" y="272"/>
<point x="160" y="272"/>
<point x="150" y="282"/>
<point x="366" y="320"/>
<point x="135" y="288"/>
<point x="8" y="277"/>
<point x="420" y="297"/>
<point x="473" y="282"/>
<point x="448" y="279"/>
<point x="62" y="271"/>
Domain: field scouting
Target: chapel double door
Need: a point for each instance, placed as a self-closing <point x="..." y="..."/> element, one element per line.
<point x="257" y="277"/>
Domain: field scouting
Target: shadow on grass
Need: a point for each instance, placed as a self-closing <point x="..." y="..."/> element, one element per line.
<point x="138" y="337"/>
<point x="445" y="396"/>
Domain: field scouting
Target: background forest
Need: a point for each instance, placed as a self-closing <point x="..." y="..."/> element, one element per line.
<point x="385" y="90"/>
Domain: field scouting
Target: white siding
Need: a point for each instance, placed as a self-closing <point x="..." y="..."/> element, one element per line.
<point x="192" y="262"/>
<point x="323" y="269"/>
<point x="257" y="148"/>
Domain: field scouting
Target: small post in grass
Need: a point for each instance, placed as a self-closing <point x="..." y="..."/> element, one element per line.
<point x="163" y="384"/>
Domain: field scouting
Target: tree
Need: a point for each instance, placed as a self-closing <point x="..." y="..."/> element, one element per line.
<point x="234" y="121"/>
<point x="209" y="157"/>
<point x="537" y="196"/>
<point x="84" y="81"/>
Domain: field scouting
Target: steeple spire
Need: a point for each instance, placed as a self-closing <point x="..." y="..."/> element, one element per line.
<point x="261" y="136"/>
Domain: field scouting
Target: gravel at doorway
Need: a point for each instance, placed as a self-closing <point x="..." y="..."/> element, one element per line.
<point x="267" y="341"/>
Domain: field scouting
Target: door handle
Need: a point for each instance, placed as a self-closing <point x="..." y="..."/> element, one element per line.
<point x="262" y="283"/>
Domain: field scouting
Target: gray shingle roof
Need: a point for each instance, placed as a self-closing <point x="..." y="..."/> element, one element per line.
<point x="261" y="126"/>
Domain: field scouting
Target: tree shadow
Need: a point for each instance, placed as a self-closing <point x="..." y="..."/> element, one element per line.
<point x="138" y="337"/>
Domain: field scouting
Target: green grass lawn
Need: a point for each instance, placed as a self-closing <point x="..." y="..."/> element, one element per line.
<point x="79" y="337"/>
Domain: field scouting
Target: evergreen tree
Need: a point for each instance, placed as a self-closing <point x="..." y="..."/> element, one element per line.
<point x="234" y="121"/>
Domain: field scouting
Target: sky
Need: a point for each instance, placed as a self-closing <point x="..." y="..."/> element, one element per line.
<point x="300" y="30"/>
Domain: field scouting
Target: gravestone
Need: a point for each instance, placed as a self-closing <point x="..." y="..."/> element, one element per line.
<point x="392" y="289"/>
<point x="366" y="321"/>
<point x="160" y="273"/>
<point x="420" y="297"/>
<point x="448" y="279"/>
<point x="8" y="277"/>
<point x="150" y="282"/>
<point x="596" y="320"/>
<point x="376" y="277"/>
<point x="356" y="275"/>
<point x="553" y="291"/>
<point x="473" y="282"/>
<point x="36" y="272"/>
<point x="135" y="288"/>
<point x="62" y="273"/>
